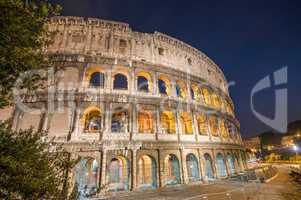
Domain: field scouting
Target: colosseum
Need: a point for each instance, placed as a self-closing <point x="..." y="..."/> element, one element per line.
<point x="139" y="110"/>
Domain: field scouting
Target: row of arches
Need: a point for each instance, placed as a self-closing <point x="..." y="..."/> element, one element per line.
<point x="146" y="120"/>
<point x="95" y="77"/>
<point x="119" y="171"/>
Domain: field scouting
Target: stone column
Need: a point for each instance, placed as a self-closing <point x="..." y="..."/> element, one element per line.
<point x="103" y="181"/>
<point x="134" y="170"/>
<point x="132" y="82"/>
<point x="77" y="127"/>
<point x="214" y="167"/>
<point x="155" y="84"/>
<point x="195" y="125"/>
<point x="134" y="122"/>
<point x="173" y="91"/>
<point x="184" y="167"/>
<point x="201" y="165"/>
<point x="158" y="124"/>
<point x="178" y="125"/>
<point x="209" y="128"/>
<point x="226" y="163"/>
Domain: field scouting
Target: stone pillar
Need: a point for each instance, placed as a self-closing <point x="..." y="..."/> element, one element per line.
<point x="158" y="124"/>
<point x="184" y="167"/>
<point x="77" y="127"/>
<point x="195" y="125"/>
<point x="134" y="170"/>
<point x="214" y="167"/>
<point x="173" y="91"/>
<point x="103" y="181"/>
<point x="134" y="120"/>
<point x="155" y="90"/>
<point x="108" y="110"/>
<point x="178" y="125"/>
<point x="209" y="128"/>
<point x="201" y="165"/>
<point x="132" y="82"/>
<point x="159" y="172"/>
<point x="226" y="163"/>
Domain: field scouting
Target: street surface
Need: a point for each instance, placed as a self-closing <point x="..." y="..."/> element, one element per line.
<point x="280" y="188"/>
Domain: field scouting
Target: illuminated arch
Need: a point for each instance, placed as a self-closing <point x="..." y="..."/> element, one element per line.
<point x="231" y="163"/>
<point x="228" y="107"/>
<point x="119" y="174"/>
<point x="216" y="101"/>
<point x="207" y="96"/>
<point x="147" y="172"/>
<point x="145" y="122"/>
<point x="202" y="124"/>
<point x="86" y="176"/>
<point x="195" y="92"/>
<point x="172" y="170"/>
<point x="192" y="168"/>
<point x="120" y="81"/>
<point x="168" y="124"/>
<point x="164" y="85"/>
<point x="92" y="119"/>
<point x="181" y="89"/>
<point x="213" y="123"/>
<point x="120" y="120"/>
<point x="223" y="129"/>
<point x="94" y="77"/>
<point x="221" y="166"/>
<point x="144" y="82"/>
<point x="186" y="123"/>
<point x="208" y="166"/>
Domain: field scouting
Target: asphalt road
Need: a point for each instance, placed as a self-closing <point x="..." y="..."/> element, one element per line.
<point x="280" y="188"/>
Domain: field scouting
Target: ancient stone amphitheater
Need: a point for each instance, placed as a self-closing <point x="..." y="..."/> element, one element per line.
<point x="141" y="110"/>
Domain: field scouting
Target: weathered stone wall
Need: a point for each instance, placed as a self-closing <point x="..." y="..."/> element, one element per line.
<point x="101" y="38"/>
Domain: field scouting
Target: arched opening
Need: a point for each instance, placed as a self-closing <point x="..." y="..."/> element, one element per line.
<point x="231" y="164"/>
<point x="97" y="79"/>
<point x="172" y="170"/>
<point x="92" y="120"/>
<point x="144" y="82"/>
<point x="213" y="123"/>
<point x="208" y="167"/>
<point x="147" y="172"/>
<point x="164" y="85"/>
<point x="86" y="176"/>
<point x="145" y="122"/>
<point x="120" y="121"/>
<point x="207" y="96"/>
<point x="202" y="124"/>
<point x="195" y="93"/>
<point x="181" y="89"/>
<point x="119" y="174"/>
<point x="192" y="168"/>
<point x="216" y="101"/>
<point x="168" y="122"/>
<point x="186" y="123"/>
<point x="220" y="165"/>
<point x="120" y="82"/>
<point x="223" y="129"/>
<point x="228" y="107"/>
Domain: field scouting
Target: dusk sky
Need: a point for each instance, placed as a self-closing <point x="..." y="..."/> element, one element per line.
<point x="248" y="40"/>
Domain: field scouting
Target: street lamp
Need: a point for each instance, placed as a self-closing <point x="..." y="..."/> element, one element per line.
<point x="295" y="147"/>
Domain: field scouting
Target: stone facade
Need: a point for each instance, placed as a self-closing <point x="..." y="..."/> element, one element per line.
<point x="141" y="110"/>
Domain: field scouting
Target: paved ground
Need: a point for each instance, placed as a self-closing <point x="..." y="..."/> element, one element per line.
<point x="281" y="188"/>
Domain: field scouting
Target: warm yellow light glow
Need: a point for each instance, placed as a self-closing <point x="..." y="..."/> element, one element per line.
<point x="213" y="123"/>
<point x="186" y="122"/>
<point x="145" y="122"/>
<point x="168" y="122"/>
<point x="202" y="124"/>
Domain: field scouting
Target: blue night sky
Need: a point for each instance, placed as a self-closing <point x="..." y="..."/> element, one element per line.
<point x="247" y="39"/>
